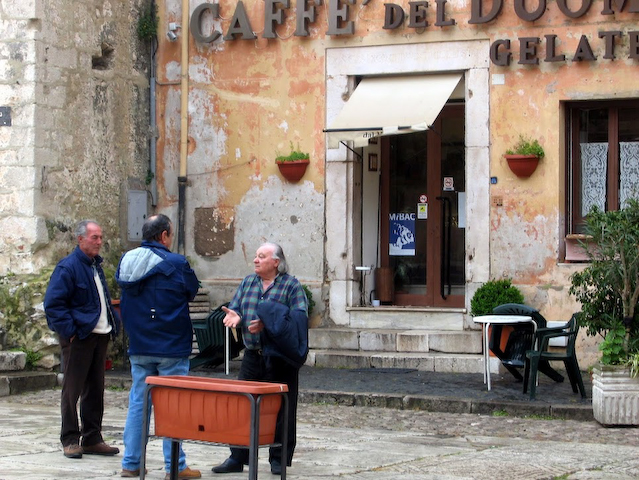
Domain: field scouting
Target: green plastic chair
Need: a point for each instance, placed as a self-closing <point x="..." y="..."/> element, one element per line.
<point x="519" y="341"/>
<point x="209" y="335"/>
<point x="568" y="356"/>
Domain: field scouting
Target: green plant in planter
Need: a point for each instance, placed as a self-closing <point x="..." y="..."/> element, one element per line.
<point x="309" y="298"/>
<point x="294" y="156"/>
<point x="633" y="363"/>
<point x="492" y="294"/>
<point x="526" y="146"/>
<point x="608" y="288"/>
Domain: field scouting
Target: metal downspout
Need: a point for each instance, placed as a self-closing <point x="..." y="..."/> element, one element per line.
<point x="153" y="129"/>
<point x="184" y="125"/>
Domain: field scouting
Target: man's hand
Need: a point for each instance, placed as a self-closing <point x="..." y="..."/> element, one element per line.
<point x="256" y="326"/>
<point x="231" y="319"/>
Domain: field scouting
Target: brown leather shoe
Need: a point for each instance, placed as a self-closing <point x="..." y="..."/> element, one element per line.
<point x="100" y="449"/>
<point x="132" y="473"/>
<point x="73" y="451"/>
<point x="186" y="473"/>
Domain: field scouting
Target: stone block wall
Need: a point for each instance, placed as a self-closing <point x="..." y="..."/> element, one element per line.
<point x="75" y="77"/>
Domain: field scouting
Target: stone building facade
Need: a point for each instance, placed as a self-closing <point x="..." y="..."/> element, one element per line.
<point x="415" y="220"/>
<point x="262" y="77"/>
<point x="74" y="95"/>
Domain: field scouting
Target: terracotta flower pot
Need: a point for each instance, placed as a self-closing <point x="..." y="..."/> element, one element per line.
<point x="522" y="165"/>
<point x="294" y="170"/>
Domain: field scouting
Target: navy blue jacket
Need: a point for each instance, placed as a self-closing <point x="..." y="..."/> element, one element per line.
<point x="285" y="332"/>
<point x="157" y="286"/>
<point x="72" y="302"/>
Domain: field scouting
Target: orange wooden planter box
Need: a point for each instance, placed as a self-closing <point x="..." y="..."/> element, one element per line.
<point x="214" y="410"/>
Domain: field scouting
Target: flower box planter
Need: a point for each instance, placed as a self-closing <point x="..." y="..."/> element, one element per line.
<point x="213" y="410"/>
<point x="615" y="396"/>
<point x="229" y="412"/>
<point x="575" y="252"/>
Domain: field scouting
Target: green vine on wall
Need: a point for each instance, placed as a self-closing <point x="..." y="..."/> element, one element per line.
<point x="148" y="24"/>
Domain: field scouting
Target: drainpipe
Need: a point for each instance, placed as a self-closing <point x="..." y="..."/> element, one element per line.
<point x="184" y="133"/>
<point x="153" y="130"/>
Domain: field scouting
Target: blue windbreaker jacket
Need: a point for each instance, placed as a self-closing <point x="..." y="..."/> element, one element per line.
<point x="72" y="303"/>
<point x="157" y="286"/>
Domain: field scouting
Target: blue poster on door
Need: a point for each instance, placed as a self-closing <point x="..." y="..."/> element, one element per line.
<point x="402" y="234"/>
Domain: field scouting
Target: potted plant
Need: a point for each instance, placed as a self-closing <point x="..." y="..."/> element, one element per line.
<point x="490" y="295"/>
<point x="293" y="166"/>
<point x="524" y="156"/>
<point x="608" y="290"/>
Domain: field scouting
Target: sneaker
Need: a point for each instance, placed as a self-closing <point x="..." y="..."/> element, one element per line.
<point x="132" y="473"/>
<point x="100" y="449"/>
<point x="73" y="451"/>
<point x="186" y="473"/>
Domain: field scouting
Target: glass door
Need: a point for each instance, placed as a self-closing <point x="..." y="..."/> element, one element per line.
<point x="423" y="213"/>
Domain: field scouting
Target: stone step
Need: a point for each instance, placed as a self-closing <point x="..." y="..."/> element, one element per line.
<point x="13" y="383"/>
<point x="396" y="340"/>
<point x="12" y="361"/>
<point x="431" y="361"/>
<point x="409" y="318"/>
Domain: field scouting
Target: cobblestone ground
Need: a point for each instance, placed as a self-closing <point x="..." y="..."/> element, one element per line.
<point x="429" y="423"/>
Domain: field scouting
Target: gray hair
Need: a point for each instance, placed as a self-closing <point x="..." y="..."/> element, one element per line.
<point x="81" y="227"/>
<point x="278" y="254"/>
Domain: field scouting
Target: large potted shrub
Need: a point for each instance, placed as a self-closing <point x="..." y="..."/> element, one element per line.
<point x="608" y="290"/>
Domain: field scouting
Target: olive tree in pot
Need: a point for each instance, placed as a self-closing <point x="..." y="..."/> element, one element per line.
<point x="608" y="290"/>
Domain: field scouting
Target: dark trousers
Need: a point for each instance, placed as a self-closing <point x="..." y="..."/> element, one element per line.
<point x="272" y="369"/>
<point x="83" y="362"/>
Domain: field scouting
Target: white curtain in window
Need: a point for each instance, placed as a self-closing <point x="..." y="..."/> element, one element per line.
<point x="594" y="167"/>
<point x="629" y="159"/>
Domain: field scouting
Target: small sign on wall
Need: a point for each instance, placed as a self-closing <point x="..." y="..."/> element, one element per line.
<point x="5" y="116"/>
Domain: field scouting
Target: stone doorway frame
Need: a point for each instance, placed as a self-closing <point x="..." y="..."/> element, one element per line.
<point x="342" y="246"/>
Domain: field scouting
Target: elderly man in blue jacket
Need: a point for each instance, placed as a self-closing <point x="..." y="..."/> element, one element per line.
<point x="157" y="286"/>
<point x="272" y="309"/>
<point x="78" y="308"/>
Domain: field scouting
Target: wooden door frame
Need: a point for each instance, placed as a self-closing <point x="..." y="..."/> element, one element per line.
<point x="432" y="295"/>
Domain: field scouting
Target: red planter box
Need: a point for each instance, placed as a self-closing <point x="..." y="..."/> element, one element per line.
<point x="214" y="410"/>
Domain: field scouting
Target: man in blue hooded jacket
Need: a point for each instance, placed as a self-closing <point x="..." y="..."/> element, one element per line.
<point x="157" y="286"/>
<point x="78" y="308"/>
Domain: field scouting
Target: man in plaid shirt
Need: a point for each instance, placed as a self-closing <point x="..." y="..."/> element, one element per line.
<point x="266" y="360"/>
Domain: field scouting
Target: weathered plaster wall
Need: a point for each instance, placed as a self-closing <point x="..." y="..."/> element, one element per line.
<point x="248" y="102"/>
<point x="249" y="99"/>
<point x="526" y="231"/>
<point x="76" y="80"/>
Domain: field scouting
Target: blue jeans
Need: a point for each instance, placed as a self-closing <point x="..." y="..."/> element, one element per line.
<point x="141" y="367"/>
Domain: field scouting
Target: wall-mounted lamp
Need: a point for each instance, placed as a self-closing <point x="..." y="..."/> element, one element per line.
<point x="171" y="34"/>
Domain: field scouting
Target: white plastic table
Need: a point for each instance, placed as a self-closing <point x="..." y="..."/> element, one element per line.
<point x="487" y="321"/>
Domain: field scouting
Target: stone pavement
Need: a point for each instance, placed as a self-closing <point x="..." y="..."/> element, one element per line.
<point x="347" y="442"/>
<point x="429" y="391"/>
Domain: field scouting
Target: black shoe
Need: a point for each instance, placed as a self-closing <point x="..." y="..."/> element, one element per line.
<point x="276" y="467"/>
<point x="230" y="465"/>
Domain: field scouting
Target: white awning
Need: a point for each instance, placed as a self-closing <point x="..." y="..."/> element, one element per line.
<point x="391" y="106"/>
